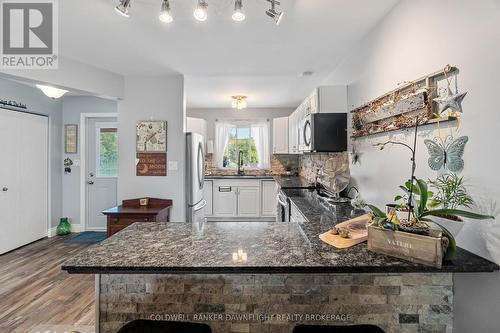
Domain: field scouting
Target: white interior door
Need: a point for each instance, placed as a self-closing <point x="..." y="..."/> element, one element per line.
<point x="23" y="179"/>
<point x="102" y="170"/>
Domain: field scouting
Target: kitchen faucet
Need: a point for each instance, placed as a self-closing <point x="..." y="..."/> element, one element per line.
<point x="240" y="163"/>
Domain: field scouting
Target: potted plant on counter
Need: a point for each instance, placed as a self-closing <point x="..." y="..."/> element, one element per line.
<point x="416" y="239"/>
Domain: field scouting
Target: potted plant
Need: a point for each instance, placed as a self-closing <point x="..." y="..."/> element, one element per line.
<point x="451" y="192"/>
<point x="422" y="216"/>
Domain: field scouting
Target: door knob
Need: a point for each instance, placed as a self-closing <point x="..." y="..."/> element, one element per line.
<point x="5" y="189"/>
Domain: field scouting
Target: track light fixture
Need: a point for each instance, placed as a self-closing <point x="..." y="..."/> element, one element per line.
<point x="123" y="8"/>
<point x="201" y="11"/>
<point x="165" y="12"/>
<point x="272" y="13"/>
<point x="238" y="14"/>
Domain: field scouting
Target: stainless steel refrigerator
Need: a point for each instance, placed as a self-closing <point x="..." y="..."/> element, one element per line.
<point x="195" y="177"/>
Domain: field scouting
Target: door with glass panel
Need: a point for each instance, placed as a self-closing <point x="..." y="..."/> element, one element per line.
<point x="101" y="169"/>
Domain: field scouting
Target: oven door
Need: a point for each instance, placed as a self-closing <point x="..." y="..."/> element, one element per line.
<point x="305" y="134"/>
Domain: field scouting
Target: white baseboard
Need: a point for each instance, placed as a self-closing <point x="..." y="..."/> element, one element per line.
<point x="74" y="228"/>
<point x="96" y="229"/>
<point x="52" y="232"/>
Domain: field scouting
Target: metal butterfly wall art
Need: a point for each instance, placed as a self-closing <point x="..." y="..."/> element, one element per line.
<point x="446" y="153"/>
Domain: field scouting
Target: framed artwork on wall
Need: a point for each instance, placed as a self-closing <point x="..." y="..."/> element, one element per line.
<point x="70" y="138"/>
<point x="151" y="137"/>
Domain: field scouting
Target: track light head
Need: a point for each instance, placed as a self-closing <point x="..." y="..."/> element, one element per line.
<point x="273" y="13"/>
<point x="165" y="15"/>
<point x="238" y="14"/>
<point x="201" y="11"/>
<point x="123" y="8"/>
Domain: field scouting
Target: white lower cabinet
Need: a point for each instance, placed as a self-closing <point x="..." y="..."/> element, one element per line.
<point x="225" y="201"/>
<point x="269" y="202"/>
<point x="208" y="195"/>
<point x="248" y="201"/>
<point x="244" y="198"/>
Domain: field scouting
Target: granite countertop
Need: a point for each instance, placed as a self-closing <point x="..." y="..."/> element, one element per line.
<point x="271" y="247"/>
<point x="293" y="182"/>
<point x="238" y="177"/>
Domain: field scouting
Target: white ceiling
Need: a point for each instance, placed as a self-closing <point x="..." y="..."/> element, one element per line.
<point x="220" y="57"/>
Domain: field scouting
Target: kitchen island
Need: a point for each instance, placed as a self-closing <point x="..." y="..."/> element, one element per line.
<point x="264" y="277"/>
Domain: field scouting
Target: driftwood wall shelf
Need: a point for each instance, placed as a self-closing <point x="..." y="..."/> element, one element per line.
<point x="398" y="109"/>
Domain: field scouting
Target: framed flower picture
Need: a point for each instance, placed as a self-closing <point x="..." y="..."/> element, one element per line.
<point x="151" y="137"/>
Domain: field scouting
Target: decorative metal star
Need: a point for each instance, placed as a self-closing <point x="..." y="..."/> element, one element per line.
<point x="451" y="101"/>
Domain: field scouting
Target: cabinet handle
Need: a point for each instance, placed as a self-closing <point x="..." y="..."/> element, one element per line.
<point x="5" y="189"/>
<point x="225" y="188"/>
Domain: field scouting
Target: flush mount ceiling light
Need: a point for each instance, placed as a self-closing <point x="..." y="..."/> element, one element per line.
<point x="165" y="12"/>
<point x="201" y="11"/>
<point x="51" y="92"/>
<point x="272" y="13"/>
<point x="239" y="102"/>
<point x="123" y="7"/>
<point x="238" y="14"/>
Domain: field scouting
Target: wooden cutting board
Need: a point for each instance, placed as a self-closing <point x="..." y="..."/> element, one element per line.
<point x="358" y="233"/>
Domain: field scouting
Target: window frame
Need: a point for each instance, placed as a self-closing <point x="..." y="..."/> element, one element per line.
<point x="98" y="127"/>
<point x="237" y="127"/>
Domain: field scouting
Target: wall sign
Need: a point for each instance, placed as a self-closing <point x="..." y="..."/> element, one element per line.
<point x="71" y="138"/>
<point x="151" y="136"/>
<point x="151" y="164"/>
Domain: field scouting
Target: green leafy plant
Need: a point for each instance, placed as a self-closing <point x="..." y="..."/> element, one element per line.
<point x="423" y="213"/>
<point x="451" y="191"/>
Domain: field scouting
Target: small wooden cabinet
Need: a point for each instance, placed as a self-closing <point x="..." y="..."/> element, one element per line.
<point x="131" y="211"/>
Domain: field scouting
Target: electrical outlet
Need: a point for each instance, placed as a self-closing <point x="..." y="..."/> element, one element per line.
<point x="173" y="166"/>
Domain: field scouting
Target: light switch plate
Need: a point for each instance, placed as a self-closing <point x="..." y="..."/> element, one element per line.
<point x="173" y="165"/>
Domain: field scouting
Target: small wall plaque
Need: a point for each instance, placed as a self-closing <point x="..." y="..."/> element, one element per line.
<point x="71" y="138"/>
<point x="151" y="164"/>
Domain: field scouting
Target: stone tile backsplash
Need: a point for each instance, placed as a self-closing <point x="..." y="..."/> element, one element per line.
<point x="331" y="163"/>
<point x="304" y="165"/>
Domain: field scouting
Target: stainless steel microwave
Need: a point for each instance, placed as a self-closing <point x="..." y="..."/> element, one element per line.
<point x="323" y="132"/>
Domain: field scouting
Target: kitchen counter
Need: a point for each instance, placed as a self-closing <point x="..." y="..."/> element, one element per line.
<point x="238" y="177"/>
<point x="270" y="247"/>
<point x="293" y="182"/>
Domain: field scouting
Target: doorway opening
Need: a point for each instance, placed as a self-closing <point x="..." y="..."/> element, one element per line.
<point x="99" y="173"/>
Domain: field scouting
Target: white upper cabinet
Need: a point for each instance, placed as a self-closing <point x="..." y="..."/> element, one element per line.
<point x="293" y="134"/>
<point x="280" y="135"/>
<point x="330" y="99"/>
<point x="196" y="125"/>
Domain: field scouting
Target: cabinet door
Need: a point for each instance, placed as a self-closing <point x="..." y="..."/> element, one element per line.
<point x="196" y="125"/>
<point x="208" y="195"/>
<point x="225" y="204"/>
<point x="249" y="201"/>
<point x="280" y="135"/>
<point x="293" y="131"/>
<point x="269" y="202"/>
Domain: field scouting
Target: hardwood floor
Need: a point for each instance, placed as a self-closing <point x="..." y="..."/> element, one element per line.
<point x="34" y="290"/>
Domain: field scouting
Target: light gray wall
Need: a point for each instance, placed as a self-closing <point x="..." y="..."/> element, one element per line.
<point x="153" y="98"/>
<point x="72" y="107"/>
<point x="210" y="115"/>
<point x="37" y="102"/>
<point x="417" y="38"/>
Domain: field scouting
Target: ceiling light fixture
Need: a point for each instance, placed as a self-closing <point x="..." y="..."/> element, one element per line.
<point x="201" y="11"/>
<point x="165" y="12"/>
<point x="272" y="13"/>
<point x="239" y="102"/>
<point x="51" y="92"/>
<point x="238" y="14"/>
<point x="123" y="7"/>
